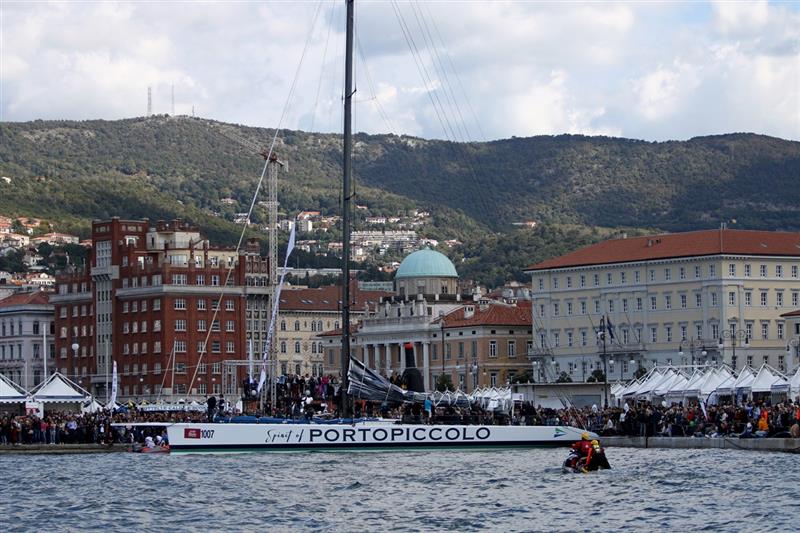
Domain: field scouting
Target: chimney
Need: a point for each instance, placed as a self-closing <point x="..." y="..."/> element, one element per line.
<point x="469" y="311"/>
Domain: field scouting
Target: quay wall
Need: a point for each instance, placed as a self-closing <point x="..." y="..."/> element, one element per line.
<point x="63" y="448"/>
<point x="765" y="445"/>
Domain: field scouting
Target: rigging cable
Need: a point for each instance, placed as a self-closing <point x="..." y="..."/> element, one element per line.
<point x="270" y="152"/>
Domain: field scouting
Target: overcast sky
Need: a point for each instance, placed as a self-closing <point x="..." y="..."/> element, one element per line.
<point x="481" y="70"/>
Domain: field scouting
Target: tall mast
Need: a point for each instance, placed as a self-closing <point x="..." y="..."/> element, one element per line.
<point x="347" y="153"/>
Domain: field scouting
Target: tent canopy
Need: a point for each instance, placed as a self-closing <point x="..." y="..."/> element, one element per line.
<point x="766" y="378"/>
<point x="10" y="392"/>
<point x="59" y="389"/>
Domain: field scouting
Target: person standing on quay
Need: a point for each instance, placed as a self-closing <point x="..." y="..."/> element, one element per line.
<point x="212" y="405"/>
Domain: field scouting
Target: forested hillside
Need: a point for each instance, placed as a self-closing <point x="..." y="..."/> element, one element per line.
<point x="166" y="167"/>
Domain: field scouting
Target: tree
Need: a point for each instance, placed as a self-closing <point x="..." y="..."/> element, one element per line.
<point x="444" y="383"/>
<point x="596" y="376"/>
<point x="563" y="378"/>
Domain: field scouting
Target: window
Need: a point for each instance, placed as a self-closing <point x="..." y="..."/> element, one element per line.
<point x="201" y="304"/>
<point x="583" y="338"/>
<point x="765" y="330"/>
<point x="215" y="325"/>
<point x="715" y="331"/>
<point x="570" y="340"/>
<point x="667" y="301"/>
<point x="541" y="311"/>
<point x="780" y="330"/>
<point x="125" y="307"/>
<point x="794" y="299"/>
<point x="229" y="305"/>
<point x="569" y="282"/>
<point x="229" y="325"/>
<point x="748" y="328"/>
<point x="652" y="275"/>
<point x="683" y="333"/>
<point x="541" y="284"/>
<point x="583" y="307"/>
<point x="653" y="334"/>
<point x="180" y="325"/>
<point x="180" y="346"/>
<point x="609" y="278"/>
<point x="555" y="309"/>
<point x="283" y="346"/>
<point x="229" y="347"/>
<point x="622" y="277"/>
<point x="569" y="308"/>
<point x="748" y="271"/>
<point x="512" y="348"/>
<point x="200" y="279"/>
<point x="762" y="269"/>
<point x="683" y="301"/>
<point x="144" y="306"/>
<point x="682" y="272"/>
<point x="698" y="330"/>
<point x="779" y="299"/>
<point x="297" y="347"/>
<point x="201" y="325"/>
<point x="653" y="303"/>
<point x="794" y="271"/>
<point x="596" y="280"/>
<point x="636" y="277"/>
<point x="492" y="348"/>
<point x="667" y="274"/>
<point x="732" y="270"/>
<point x="748" y="298"/>
<point x="697" y="271"/>
<point x="180" y="304"/>
<point x="156" y="325"/>
<point x="639" y="305"/>
<point x="583" y="279"/>
<point x="624" y="305"/>
<point x="763" y="298"/>
<point x="626" y="336"/>
<point x="201" y="348"/>
<point x="714" y="299"/>
<point x="597" y="306"/>
<point x="215" y="280"/>
<point x="179" y="279"/>
<point x="782" y="363"/>
<point x="215" y="347"/>
<point x="555" y="283"/>
<point x="611" y="306"/>
<point x="556" y="339"/>
<point x="712" y="271"/>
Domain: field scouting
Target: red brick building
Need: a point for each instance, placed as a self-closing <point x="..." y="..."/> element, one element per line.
<point x="163" y="303"/>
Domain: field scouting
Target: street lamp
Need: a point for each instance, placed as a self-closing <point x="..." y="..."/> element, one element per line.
<point x="601" y="336"/>
<point x="692" y="344"/>
<point x="733" y="335"/>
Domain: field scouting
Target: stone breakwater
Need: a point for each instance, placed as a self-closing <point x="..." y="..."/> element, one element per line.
<point x="764" y="445"/>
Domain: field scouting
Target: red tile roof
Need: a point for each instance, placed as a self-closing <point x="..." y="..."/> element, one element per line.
<point x="495" y="314"/>
<point x="26" y="298"/>
<point x="673" y="245"/>
<point x="328" y="298"/>
<point x="791" y="314"/>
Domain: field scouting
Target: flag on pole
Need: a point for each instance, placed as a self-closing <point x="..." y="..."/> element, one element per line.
<point x="275" y="303"/>
<point x="250" y="361"/>
<point x="610" y="328"/>
<point x="113" y="400"/>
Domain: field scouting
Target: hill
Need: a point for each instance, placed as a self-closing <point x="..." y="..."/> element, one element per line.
<point x="166" y="167"/>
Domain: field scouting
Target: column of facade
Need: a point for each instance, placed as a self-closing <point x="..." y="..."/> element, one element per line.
<point x="402" y="349"/>
<point x="388" y="356"/>
<point x="426" y="365"/>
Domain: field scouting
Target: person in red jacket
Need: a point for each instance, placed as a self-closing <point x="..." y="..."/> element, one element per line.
<point x="584" y="445"/>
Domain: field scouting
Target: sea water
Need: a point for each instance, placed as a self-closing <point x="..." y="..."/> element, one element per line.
<point x="514" y="490"/>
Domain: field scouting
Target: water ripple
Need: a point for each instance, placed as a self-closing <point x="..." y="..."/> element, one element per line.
<point x="515" y="490"/>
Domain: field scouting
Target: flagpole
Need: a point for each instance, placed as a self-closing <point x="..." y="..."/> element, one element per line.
<point x="605" y="368"/>
<point x="45" y="351"/>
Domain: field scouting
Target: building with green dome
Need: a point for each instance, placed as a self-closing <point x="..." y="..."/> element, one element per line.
<point x="426" y="272"/>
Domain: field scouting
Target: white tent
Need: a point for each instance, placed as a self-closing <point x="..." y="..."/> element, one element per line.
<point x="692" y="387"/>
<point x="59" y="389"/>
<point x="714" y="380"/>
<point x="10" y="392"/>
<point x="655" y="377"/>
<point x="667" y="377"/>
<point x="92" y="407"/>
<point x="794" y="383"/>
<point x="766" y="378"/>
<point x="677" y="379"/>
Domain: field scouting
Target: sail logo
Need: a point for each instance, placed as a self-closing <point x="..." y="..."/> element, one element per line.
<point x="559" y="433"/>
<point x="191" y="433"/>
<point x="399" y="434"/>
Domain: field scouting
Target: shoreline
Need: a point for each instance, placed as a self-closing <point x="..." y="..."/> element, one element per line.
<point x="61" y="449"/>
<point x="786" y="445"/>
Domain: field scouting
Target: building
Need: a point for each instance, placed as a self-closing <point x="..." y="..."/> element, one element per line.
<point x="162" y="303"/>
<point x="56" y="239"/>
<point x="683" y="299"/>
<point x="304" y="314"/>
<point x="26" y="324"/>
<point x="474" y="343"/>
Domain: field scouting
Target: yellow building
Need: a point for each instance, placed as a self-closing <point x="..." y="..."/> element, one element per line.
<point x="699" y="297"/>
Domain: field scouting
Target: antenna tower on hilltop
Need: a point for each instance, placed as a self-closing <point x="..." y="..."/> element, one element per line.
<point x="149" y="101"/>
<point x="173" y="100"/>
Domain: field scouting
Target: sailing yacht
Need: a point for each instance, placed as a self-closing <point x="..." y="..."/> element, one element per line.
<point x="354" y="434"/>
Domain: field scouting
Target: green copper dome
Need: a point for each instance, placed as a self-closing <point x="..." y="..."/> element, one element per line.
<point x="426" y="263"/>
